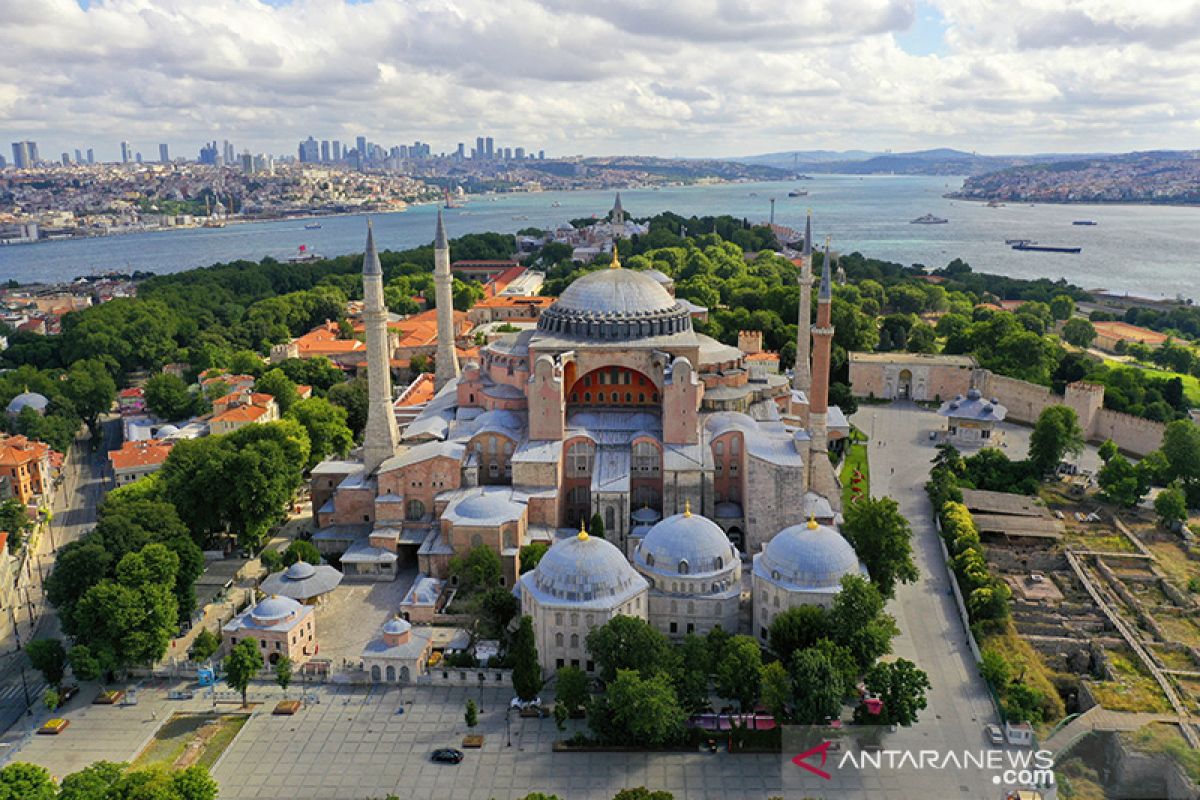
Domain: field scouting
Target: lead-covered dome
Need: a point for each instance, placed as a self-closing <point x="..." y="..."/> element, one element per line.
<point x="274" y="609"/>
<point x="583" y="570"/>
<point x="686" y="544"/>
<point x="26" y="400"/>
<point x="615" y="304"/>
<point x="808" y="557"/>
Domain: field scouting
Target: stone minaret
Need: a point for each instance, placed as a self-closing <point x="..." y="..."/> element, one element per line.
<point x="616" y="218"/>
<point x="382" y="435"/>
<point x="446" y="365"/>
<point x="822" y="334"/>
<point x="802" y="372"/>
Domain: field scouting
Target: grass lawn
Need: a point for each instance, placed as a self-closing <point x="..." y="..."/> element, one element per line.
<point x="1131" y="689"/>
<point x="856" y="459"/>
<point x="1191" y="385"/>
<point x="187" y="739"/>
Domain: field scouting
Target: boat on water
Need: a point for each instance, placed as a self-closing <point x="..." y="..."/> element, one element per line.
<point x="213" y="223"/>
<point x="519" y="217"/>
<point x="995" y="204"/>
<point x="798" y="193"/>
<point x="1012" y="242"/>
<point x="312" y="226"/>
<point x="1084" y="222"/>
<point x="556" y="204"/>
<point x="929" y="219"/>
<point x="1045" y="248"/>
<point x="304" y="255"/>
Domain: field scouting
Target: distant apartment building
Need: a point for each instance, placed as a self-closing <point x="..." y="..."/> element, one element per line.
<point x="25" y="154"/>
<point x="126" y="153"/>
<point x="28" y="465"/>
<point x="236" y="410"/>
<point x="323" y="341"/>
<point x="310" y="151"/>
<point x="164" y="154"/>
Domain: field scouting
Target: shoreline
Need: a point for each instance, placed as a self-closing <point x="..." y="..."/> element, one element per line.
<point x="1097" y="203"/>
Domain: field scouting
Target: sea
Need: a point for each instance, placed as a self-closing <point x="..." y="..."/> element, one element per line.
<point x="1148" y="251"/>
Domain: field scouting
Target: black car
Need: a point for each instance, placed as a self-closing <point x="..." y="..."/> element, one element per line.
<point x="447" y="755"/>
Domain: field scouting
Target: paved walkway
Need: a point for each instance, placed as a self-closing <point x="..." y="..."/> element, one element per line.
<point x="931" y="634"/>
<point x="1099" y="719"/>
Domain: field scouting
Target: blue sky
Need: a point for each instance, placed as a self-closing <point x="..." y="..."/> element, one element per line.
<point x="926" y="36"/>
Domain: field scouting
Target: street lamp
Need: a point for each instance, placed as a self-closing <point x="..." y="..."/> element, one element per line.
<point x="25" y="689"/>
<point x="508" y="726"/>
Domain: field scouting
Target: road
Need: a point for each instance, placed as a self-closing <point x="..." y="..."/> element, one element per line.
<point x="931" y="634"/>
<point x="82" y="488"/>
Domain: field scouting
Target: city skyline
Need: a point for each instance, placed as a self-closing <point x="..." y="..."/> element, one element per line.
<point x="573" y="79"/>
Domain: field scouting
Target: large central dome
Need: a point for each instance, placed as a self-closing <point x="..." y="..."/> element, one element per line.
<point x="615" y="304"/>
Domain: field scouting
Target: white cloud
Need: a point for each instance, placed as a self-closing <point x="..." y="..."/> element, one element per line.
<point x="698" y="77"/>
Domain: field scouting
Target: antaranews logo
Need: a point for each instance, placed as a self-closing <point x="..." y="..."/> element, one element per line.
<point x="859" y="761"/>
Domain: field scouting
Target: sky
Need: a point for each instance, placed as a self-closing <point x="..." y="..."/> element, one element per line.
<point x="690" y="78"/>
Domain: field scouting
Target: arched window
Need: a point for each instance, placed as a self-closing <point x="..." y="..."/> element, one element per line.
<point x="574" y="640"/>
<point x="558" y="640"/>
<point x="579" y="459"/>
<point x="476" y="540"/>
<point x="718" y="564"/>
<point x="415" y="510"/>
<point x="649" y="559"/>
<point x="719" y="448"/>
<point x="683" y="567"/>
<point x="610" y="519"/>
<point x="646" y="459"/>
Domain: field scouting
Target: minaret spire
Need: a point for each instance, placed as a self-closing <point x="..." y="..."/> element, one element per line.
<point x="802" y="372"/>
<point x="446" y="362"/>
<point x="822" y="334"/>
<point x="382" y="435"/>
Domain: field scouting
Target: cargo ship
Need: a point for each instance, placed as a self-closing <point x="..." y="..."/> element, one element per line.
<point x="929" y="219"/>
<point x="1083" y="222"/>
<point x="1045" y="248"/>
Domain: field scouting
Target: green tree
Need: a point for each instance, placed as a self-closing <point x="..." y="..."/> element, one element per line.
<point x="995" y="669"/>
<point x="51" y="699"/>
<point x="637" y="710"/>
<point x="1079" y="332"/>
<point x="92" y="390"/>
<point x="1062" y="306"/>
<point x="816" y="687"/>
<point x="527" y="671"/>
<point x="168" y="397"/>
<point x="572" y="690"/>
<point x="858" y="623"/>
<point x="283" y="673"/>
<point x="279" y="386"/>
<point x="776" y="686"/>
<point x="596" y="528"/>
<point x="882" y="538"/>
<point x="844" y="666"/>
<point x="1181" y="450"/>
<point x="626" y="642"/>
<point x="1107" y="450"/>
<point x="478" y="570"/>
<point x="1023" y="703"/>
<point x="738" y="672"/>
<point x="271" y="559"/>
<point x="530" y="554"/>
<point x="1055" y="434"/>
<point x="495" y="608"/>
<point x="642" y="793"/>
<point x="351" y="396"/>
<point x="194" y="783"/>
<point x="49" y="657"/>
<point x="1171" y="507"/>
<point x="14" y="519"/>
<point x="901" y="687"/>
<point x="301" y="550"/>
<point x="86" y="666"/>
<point x="797" y="628"/>
<point x="241" y="665"/>
<point x="205" y="645"/>
<point x="20" y="781"/>
<point x="471" y="716"/>
<point x="92" y="782"/>
<point x="1122" y="483"/>
<point x="690" y="676"/>
<point x="325" y="423"/>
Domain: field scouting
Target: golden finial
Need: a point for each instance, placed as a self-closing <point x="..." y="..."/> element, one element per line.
<point x="812" y="522"/>
<point x="687" y="508"/>
<point x="616" y="262"/>
<point x="583" y="534"/>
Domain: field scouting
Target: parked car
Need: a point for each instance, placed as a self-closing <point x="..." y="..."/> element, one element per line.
<point x="994" y="734"/>
<point x="180" y="694"/>
<point x="67" y="692"/>
<point x="447" y="755"/>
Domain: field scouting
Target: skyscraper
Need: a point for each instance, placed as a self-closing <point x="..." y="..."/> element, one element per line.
<point x="508" y="154"/>
<point x="78" y="156"/>
<point x="519" y="154"/>
<point x="24" y="154"/>
<point x="325" y="150"/>
<point x="479" y="148"/>
<point x="66" y="159"/>
<point x="489" y="148"/>
<point x="360" y="144"/>
<point x="164" y="153"/>
<point x="229" y="153"/>
<point x="337" y="150"/>
<point x="460" y="153"/>
<point x="126" y="153"/>
<point x="310" y="151"/>
<point x="91" y="156"/>
<point x="208" y="153"/>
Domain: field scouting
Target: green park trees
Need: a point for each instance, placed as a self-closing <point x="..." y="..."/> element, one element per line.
<point x="242" y="664"/>
<point x="49" y="658"/>
<point x="626" y="642"/>
<point x="1171" y="507"/>
<point x="1079" y="332"/>
<point x="1056" y="434"/>
<point x="168" y="397"/>
<point x="637" y="709"/>
<point x="738" y="670"/>
<point x="328" y="432"/>
<point x="91" y="388"/>
<point x="901" y="687"/>
<point x="527" y="670"/>
<point x="882" y="538"/>
<point x="275" y="383"/>
<point x="1181" y="449"/>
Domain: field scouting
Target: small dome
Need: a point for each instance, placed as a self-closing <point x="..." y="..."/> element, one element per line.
<point x="480" y="507"/>
<point x="397" y="626"/>
<point x="301" y="570"/>
<point x="274" y="609"/>
<point x="583" y="569"/>
<point x="167" y="430"/>
<point x="685" y="544"/>
<point x="25" y="400"/>
<point x="810" y="556"/>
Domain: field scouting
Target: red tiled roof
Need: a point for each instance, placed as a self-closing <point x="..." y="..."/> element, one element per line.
<point x="139" y="454"/>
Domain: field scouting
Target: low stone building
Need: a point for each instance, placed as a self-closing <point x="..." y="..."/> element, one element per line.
<point x="399" y="654"/>
<point x="280" y="625"/>
<point x="971" y="419"/>
<point x="910" y="376"/>
<point x="138" y="459"/>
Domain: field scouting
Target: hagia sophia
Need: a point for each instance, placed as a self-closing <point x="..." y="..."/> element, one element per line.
<point x="718" y="501"/>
